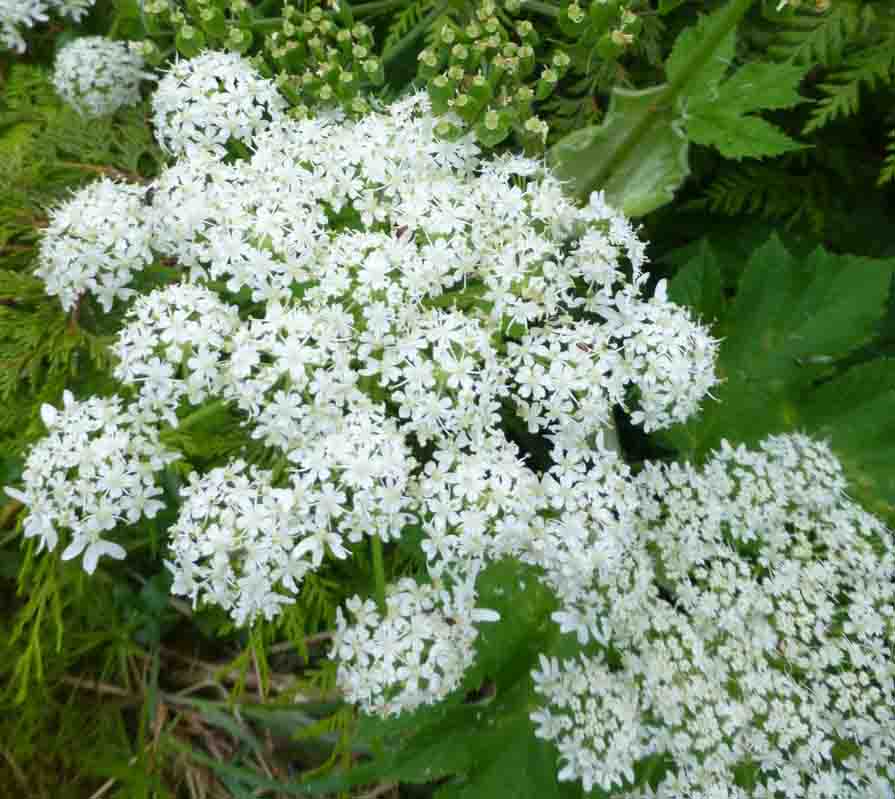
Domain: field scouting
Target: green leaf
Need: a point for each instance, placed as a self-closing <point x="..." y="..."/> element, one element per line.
<point x="640" y="181"/>
<point x="756" y="87"/>
<point x="714" y="69"/>
<point x="791" y="321"/>
<point x="667" y="6"/>
<point x="639" y="154"/>
<point x="698" y="284"/>
<point x="714" y="109"/>
<point x="736" y="136"/>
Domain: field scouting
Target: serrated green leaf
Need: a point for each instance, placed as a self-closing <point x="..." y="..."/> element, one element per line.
<point x="791" y="321"/>
<point x="698" y="284"/>
<point x="688" y="41"/>
<point x="756" y="87"/>
<point x="639" y="180"/>
<point x="736" y="136"/>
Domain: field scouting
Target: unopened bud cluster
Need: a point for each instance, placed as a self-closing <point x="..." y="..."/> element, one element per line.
<point x="323" y="60"/>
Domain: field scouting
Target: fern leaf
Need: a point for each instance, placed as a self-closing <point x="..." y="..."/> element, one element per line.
<point x="868" y="68"/>
<point x="405" y="20"/>
<point x="810" y="38"/>
<point x="769" y="191"/>
<point x="887" y="175"/>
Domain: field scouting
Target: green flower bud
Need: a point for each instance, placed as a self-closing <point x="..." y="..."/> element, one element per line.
<point x="189" y="41"/>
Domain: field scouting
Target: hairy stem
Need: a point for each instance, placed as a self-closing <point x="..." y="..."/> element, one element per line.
<point x="376" y="7"/>
<point x="378" y="572"/>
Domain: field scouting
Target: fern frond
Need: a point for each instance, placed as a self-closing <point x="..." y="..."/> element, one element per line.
<point x="809" y="38"/>
<point x="887" y="175"/>
<point x="405" y="21"/>
<point x="866" y="68"/>
<point x="769" y="191"/>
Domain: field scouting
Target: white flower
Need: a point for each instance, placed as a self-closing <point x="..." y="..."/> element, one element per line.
<point x="177" y="330"/>
<point x="752" y="617"/>
<point x="416" y="654"/>
<point x="15" y="14"/>
<point x="95" y="243"/>
<point x="94" y="471"/>
<point x="97" y="76"/>
<point x="204" y="102"/>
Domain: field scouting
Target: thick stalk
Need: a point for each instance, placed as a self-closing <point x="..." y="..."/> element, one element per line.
<point x="376" y="7"/>
<point x="203" y="413"/>
<point x="593" y="179"/>
<point x="378" y="572"/>
<point x="541" y="8"/>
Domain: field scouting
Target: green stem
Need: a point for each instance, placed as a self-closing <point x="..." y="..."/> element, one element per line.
<point x="725" y="23"/>
<point x="266" y="24"/>
<point x="541" y="8"/>
<point x="378" y="572"/>
<point x="368" y="9"/>
<point x="203" y="413"/>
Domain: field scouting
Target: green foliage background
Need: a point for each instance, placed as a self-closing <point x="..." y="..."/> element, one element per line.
<point x="764" y="178"/>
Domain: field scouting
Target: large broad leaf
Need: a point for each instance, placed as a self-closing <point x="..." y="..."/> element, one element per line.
<point x="790" y="338"/>
<point x="639" y="178"/>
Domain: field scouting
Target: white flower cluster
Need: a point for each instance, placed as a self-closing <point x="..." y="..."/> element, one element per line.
<point x="381" y="307"/>
<point x="95" y="242"/>
<point x="97" y="76"/>
<point x="755" y="619"/>
<point x="94" y="471"/>
<point x="417" y="653"/>
<point x="18" y="14"/>
<point x="237" y="536"/>
<point x="238" y="539"/>
<point x="172" y="348"/>
<point x="204" y="102"/>
<point x="403" y="303"/>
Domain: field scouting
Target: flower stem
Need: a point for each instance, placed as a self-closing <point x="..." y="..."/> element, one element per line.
<point x="376" y="7"/>
<point x="378" y="572"/>
<point x="203" y="413"/>
<point x="541" y="8"/>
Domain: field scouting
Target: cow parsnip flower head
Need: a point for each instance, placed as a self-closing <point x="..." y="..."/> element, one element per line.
<point x="97" y="76"/>
<point x="244" y="545"/>
<point x="414" y="654"/>
<point x="94" y="471"/>
<point x="406" y="295"/>
<point x="755" y="623"/>
<point x="204" y="102"/>
<point x="380" y="219"/>
<point x="94" y="243"/>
